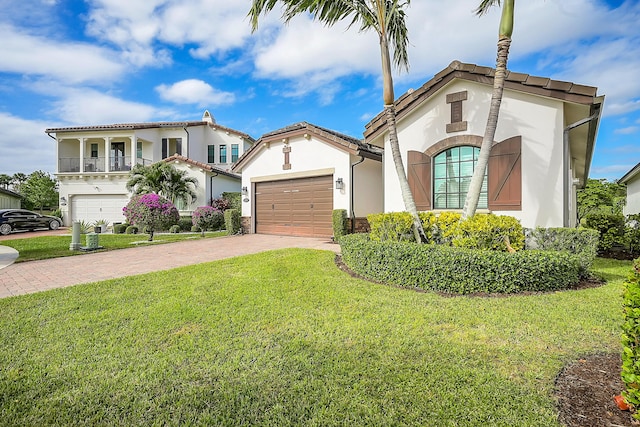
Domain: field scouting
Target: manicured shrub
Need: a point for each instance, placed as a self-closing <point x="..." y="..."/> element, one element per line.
<point x="482" y="231"/>
<point x="392" y="226"/>
<point x="120" y="228"/>
<point x="195" y="229"/>
<point x="220" y="204"/>
<point x="610" y="227"/>
<point x="151" y="212"/>
<point x="234" y="198"/>
<point x="632" y="233"/>
<point x="185" y="223"/>
<point x="631" y="338"/>
<point x="207" y="218"/>
<point x="175" y="229"/>
<point x="583" y="242"/>
<point x="339" y="221"/>
<point x="233" y="221"/>
<point x="132" y="229"/>
<point x="459" y="270"/>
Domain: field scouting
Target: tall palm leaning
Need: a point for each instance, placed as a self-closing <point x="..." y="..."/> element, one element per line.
<point x="387" y="19"/>
<point x="504" y="43"/>
<point x="163" y="179"/>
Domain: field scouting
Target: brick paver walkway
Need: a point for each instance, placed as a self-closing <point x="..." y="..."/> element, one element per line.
<point x="36" y="276"/>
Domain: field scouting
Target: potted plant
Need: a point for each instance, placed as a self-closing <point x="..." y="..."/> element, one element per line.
<point x="100" y="226"/>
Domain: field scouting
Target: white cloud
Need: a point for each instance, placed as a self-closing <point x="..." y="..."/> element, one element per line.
<point x="25" y="146"/>
<point x="71" y="62"/>
<point x="194" y="91"/>
<point x="79" y="106"/>
<point x="627" y="131"/>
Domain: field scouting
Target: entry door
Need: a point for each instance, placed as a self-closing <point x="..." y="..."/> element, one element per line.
<point x="117" y="156"/>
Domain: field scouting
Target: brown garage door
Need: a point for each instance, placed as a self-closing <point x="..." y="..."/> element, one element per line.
<point x="295" y="207"/>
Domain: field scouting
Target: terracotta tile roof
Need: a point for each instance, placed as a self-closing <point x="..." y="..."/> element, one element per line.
<point x="340" y="140"/>
<point x="543" y="86"/>
<point x="204" y="166"/>
<point x="151" y="125"/>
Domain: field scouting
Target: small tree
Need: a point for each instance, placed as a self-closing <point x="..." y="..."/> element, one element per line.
<point x="207" y="218"/>
<point x="151" y="212"/>
<point x="40" y="190"/>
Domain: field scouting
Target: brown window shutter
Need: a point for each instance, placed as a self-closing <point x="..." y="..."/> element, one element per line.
<point x="505" y="175"/>
<point x="419" y="178"/>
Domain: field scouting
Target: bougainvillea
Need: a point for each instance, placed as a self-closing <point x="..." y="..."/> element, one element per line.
<point x="207" y="218"/>
<point x="151" y="212"/>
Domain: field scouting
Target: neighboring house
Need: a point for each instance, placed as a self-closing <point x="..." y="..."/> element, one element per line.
<point x="632" y="180"/>
<point x="9" y="199"/>
<point x="542" y="149"/>
<point x="293" y="178"/>
<point x="94" y="162"/>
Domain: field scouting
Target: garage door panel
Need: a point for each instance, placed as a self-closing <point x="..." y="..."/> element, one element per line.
<point x="300" y="207"/>
<point x="90" y="208"/>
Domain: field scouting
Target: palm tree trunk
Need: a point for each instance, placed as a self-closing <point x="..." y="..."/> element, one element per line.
<point x="390" y="112"/>
<point x="471" y="202"/>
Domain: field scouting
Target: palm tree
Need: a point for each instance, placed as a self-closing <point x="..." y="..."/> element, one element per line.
<point x="504" y="43"/>
<point x="163" y="179"/>
<point x="5" y="180"/>
<point x="17" y="180"/>
<point x="387" y="19"/>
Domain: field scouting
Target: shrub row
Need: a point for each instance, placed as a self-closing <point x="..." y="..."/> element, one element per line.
<point x="232" y="221"/>
<point x="459" y="270"/>
<point x="583" y="242"/>
<point x="616" y="231"/>
<point x="339" y="222"/>
<point x="482" y="231"/>
<point x="631" y="338"/>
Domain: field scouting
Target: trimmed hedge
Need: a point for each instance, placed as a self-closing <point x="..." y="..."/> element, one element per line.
<point x="120" y="228"/>
<point x="131" y="229"/>
<point x="339" y="221"/>
<point x="185" y="223"/>
<point x="631" y="339"/>
<point x="459" y="270"/>
<point x="582" y="242"/>
<point x="482" y="231"/>
<point x="175" y="229"/>
<point x="232" y="221"/>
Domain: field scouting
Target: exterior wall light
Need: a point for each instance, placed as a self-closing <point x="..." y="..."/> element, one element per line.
<point x="245" y="191"/>
<point x="339" y="184"/>
<point x="63" y="201"/>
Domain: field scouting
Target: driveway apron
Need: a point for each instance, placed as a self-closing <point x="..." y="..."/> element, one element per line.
<point x="35" y="276"/>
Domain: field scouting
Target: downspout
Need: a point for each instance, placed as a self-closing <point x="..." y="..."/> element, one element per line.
<point x="565" y="164"/>
<point x="185" y="129"/>
<point x="211" y="188"/>
<point x="352" y="185"/>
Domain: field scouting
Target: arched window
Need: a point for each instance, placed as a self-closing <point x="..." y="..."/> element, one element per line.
<point x="452" y="172"/>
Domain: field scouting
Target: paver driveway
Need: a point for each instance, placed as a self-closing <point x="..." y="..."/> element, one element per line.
<point x="35" y="276"/>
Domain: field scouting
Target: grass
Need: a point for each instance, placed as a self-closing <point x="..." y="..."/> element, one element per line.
<point x="284" y="338"/>
<point x="43" y="247"/>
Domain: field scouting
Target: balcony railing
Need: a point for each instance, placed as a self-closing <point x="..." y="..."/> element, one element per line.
<point x="97" y="164"/>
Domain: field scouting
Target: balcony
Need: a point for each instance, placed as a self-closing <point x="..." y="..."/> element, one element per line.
<point x="97" y="164"/>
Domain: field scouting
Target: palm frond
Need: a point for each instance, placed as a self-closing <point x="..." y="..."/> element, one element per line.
<point x="485" y="5"/>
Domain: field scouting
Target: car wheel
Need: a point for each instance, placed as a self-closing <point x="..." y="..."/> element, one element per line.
<point x="5" y="229"/>
<point x="54" y="225"/>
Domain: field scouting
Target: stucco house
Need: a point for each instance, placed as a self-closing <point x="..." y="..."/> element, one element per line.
<point x="542" y="150"/>
<point x="294" y="177"/>
<point x="632" y="180"/>
<point x="94" y="162"/>
<point x="9" y="199"/>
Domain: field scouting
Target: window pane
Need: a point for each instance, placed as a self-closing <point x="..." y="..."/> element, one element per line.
<point x="482" y="202"/>
<point x="453" y="170"/>
<point x="454" y="154"/>
<point x="234" y="153"/>
<point x="452" y="201"/>
<point x="466" y="169"/>
<point x="440" y="186"/>
<point x="441" y="158"/>
<point x="223" y="154"/>
<point x="440" y="171"/>
<point x="466" y="153"/>
<point x="211" y="154"/>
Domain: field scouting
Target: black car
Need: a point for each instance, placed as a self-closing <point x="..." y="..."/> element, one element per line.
<point x="20" y="219"/>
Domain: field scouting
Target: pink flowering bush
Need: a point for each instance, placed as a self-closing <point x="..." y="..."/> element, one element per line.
<point x="207" y="218"/>
<point x="151" y="212"/>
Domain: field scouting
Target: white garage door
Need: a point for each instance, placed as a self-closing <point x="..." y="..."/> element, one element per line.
<point x="94" y="207"/>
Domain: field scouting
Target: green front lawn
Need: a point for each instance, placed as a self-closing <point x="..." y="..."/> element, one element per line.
<point x="286" y="338"/>
<point x="42" y="247"/>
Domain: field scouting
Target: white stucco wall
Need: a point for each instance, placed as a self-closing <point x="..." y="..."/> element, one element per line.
<point x="308" y="157"/>
<point x="538" y="120"/>
<point x="368" y="187"/>
<point x="97" y="186"/>
<point x="633" y="196"/>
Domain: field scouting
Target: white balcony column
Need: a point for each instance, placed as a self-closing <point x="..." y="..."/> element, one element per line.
<point x="133" y="159"/>
<point x="107" y="157"/>
<point x="82" y="143"/>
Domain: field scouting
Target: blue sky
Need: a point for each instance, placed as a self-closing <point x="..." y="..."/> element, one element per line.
<point x="74" y="62"/>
